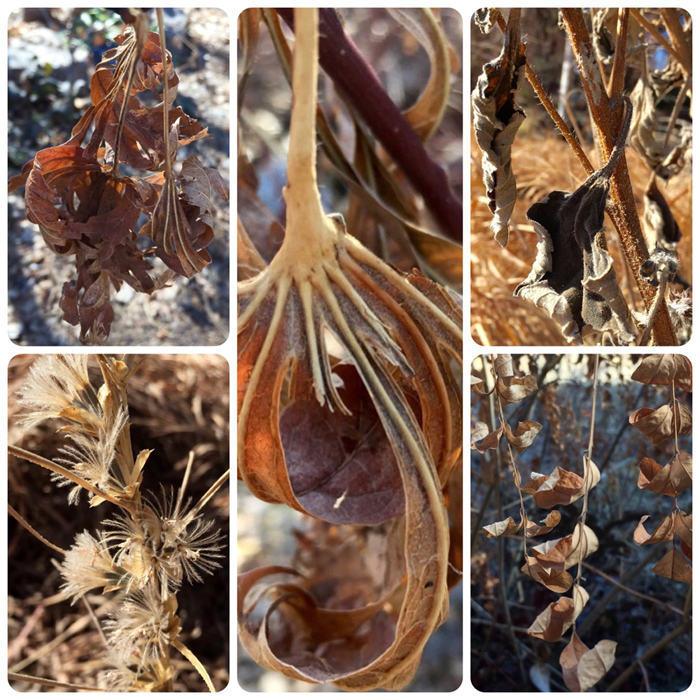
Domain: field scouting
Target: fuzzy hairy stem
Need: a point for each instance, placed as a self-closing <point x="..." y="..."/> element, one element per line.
<point x="621" y="207"/>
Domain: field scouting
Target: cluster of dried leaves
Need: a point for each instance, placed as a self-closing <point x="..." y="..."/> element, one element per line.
<point x="548" y="562"/>
<point x="85" y="208"/>
<point x="658" y="425"/>
<point x="580" y="291"/>
<point x="350" y="412"/>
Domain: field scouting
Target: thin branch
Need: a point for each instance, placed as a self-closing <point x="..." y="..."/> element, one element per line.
<point x="36" y="534"/>
<point x="356" y="79"/>
<point x="57" y="469"/>
<point x="631" y="591"/>
<point x="648" y="654"/>
<point x="617" y="78"/>
<point x="553" y="113"/>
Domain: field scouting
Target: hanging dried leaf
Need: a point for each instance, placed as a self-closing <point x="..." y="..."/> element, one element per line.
<point x="554" y="620"/>
<point x="555" y="579"/>
<point x="663" y="532"/>
<point x="563" y="553"/>
<point x="560" y="488"/>
<point x="524" y="434"/>
<point x="502" y="527"/>
<point x="684" y="530"/>
<point x="583" y="667"/>
<point x="513" y="389"/>
<point x="532" y="529"/>
<point x="483" y="440"/>
<point x="658" y="425"/>
<point x="497" y="119"/>
<point x="664" y="370"/>
<point x="85" y="208"/>
<point x="674" y="566"/>
<point x="659" y="223"/>
<point x="648" y="137"/>
<point x="578" y="288"/>
<point x="675" y="477"/>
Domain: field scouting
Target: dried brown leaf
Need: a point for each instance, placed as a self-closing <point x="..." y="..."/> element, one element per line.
<point x="658" y="424"/>
<point x="674" y="566"/>
<point x="560" y="488"/>
<point x="675" y="477"/>
<point x="665" y="369"/>
<point x="663" y="532"/>
<point x="532" y="529"/>
<point x="524" y="434"/>
<point x="557" y="617"/>
<point x="583" y="667"/>
<point x="496" y="122"/>
<point x="555" y="579"/>
<point x="563" y="553"/>
<point x="502" y="527"/>
<point x="514" y="389"/>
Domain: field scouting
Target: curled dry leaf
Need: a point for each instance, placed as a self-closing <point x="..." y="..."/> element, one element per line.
<point x="572" y="277"/>
<point x="502" y="527"/>
<point x="563" y="553"/>
<point x="532" y="529"/>
<point x="659" y="223"/>
<point x="658" y="424"/>
<point x="553" y="578"/>
<point x="497" y="119"/>
<point x="561" y="487"/>
<point x="524" y="434"/>
<point x="483" y="440"/>
<point x="675" y="477"/>
<point x="513" y="389"/>
<point x="684" y="530"/>
<point x="664" y="370"/>
<point x="648" y="138"/>
<point x="557" y="617"/>
<point x="674" y="566"/>
<point x="583" y="667"/>
<point x="663" y="532"/>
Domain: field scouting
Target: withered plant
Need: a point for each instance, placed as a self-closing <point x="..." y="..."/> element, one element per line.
<point x="129" y="572"/>
<point x="349" y="412"/>
<point x="558" y="564"/>
<point x="622" y="115"/>
<point x="89" y="201"/>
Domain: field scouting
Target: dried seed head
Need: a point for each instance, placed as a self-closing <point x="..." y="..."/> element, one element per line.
<point x="58" y="387"/>
<point x="89" y="564"/>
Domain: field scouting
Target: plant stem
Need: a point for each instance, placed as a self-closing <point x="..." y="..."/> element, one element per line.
<point x="547" y="103"/>
<point x="621" y="207"/>
<point x="168" y="172"/>
<point x="309" y="236"/>
<point x="617" y="77"/>
<point x="362" y="89"/>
